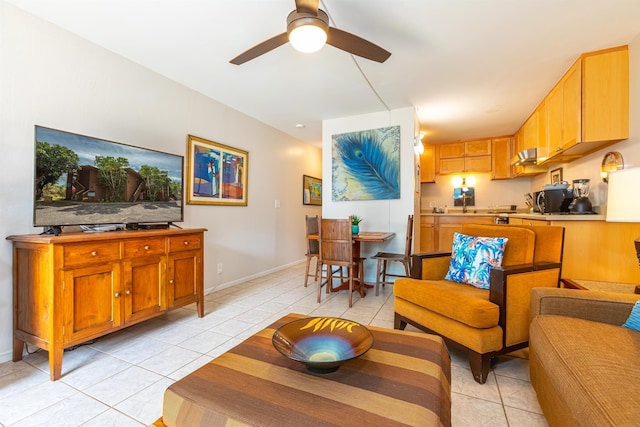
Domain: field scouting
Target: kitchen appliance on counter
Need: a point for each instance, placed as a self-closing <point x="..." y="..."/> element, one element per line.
<point x="554" y="199"/>
<point x="581" y="203"/>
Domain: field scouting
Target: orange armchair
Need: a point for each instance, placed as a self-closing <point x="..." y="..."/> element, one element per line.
<point x="484" y="322"/>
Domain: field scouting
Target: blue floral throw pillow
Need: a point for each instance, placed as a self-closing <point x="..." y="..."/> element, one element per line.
<point x="633" y="322"/>
<point x="472" y="258"/>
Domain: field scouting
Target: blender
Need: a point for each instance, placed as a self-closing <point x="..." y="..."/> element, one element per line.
<point x="581" y="203"/>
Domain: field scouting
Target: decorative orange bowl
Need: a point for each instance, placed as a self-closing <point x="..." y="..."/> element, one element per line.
<point x="322" y="343"/>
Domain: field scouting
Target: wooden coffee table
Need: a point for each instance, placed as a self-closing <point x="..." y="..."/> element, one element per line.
<point x="404" y="379"/>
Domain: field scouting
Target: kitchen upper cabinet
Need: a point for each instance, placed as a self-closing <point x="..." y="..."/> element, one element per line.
<point x="605" y="96"/>
<point x="571" y="100"/>
<point x="553" y="122"/>
<point x="542" y="138"/>
<point x="451" y="150"/>
<point x="501" y="158"/>
<point x="589" y="108"/>
<point x="428" y="164"/>
<point x="530" y="132"/>
<point x="477" y="148"/>
<point x="468" y="156"/>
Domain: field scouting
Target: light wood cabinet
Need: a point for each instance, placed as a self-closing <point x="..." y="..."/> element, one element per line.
<point x="501" y="158"/>
<point x="427" y="234"/>
<point x="428" y="164"/>
<point x="605" y="95"/>
<point x="466" y="156"/>
<point x="477" y="148"/>
<point x="553" y="122"/>
<point x="75" y="287"/>
<point x="589" y="108"/>
<point x="454" y="149"/>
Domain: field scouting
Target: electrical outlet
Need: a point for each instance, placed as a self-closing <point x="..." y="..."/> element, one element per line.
<point x="432" y="203"/>
<point x="277" y="203"/>
<point x="220" y="268"/>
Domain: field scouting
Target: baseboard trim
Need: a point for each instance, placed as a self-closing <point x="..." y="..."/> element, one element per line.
<point x="253" y="276"/>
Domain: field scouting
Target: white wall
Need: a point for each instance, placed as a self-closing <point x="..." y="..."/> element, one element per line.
<point x="53" y="78"/>
<point x="379" y="215"/>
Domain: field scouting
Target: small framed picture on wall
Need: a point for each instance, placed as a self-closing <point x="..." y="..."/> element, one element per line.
<point x="311" y="190"/>
<point x="556" y="176"/>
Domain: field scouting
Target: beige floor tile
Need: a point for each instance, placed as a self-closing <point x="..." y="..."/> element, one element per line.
<point x="118" y="380"/>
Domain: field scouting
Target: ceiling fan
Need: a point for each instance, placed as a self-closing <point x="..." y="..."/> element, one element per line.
<point x="310" y="22"/>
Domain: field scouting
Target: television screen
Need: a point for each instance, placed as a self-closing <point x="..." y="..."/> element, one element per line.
<point x="80" y="180"/>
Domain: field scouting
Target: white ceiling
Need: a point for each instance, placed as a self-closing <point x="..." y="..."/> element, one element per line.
<point x="472" y="68"/>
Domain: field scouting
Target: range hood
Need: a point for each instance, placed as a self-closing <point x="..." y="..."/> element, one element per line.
<point x="525" y="157"/>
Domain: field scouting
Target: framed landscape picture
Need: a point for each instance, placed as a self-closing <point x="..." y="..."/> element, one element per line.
<point x="311" y="190"/>
<point x="216" y="173"/>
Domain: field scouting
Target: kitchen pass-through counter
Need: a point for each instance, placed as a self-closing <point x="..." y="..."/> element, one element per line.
<point x="593" y="248"/>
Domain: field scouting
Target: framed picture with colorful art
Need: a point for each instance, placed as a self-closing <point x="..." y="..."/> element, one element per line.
<point x="311" y="190"/>
<point x="216" y="173"/>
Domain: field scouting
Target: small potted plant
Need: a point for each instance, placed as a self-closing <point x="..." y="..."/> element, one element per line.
<point x="355" y="224"/>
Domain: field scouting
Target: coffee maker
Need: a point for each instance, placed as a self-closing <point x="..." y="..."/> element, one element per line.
<point x="581" y="203"/>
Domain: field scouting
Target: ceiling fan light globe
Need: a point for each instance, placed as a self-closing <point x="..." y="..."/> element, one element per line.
<point x="307" y="38"/>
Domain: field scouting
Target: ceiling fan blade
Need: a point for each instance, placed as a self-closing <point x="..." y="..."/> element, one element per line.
<point x="307" y="6"/>
<point x="356" y="45"/>
<point x="261" y="49"/>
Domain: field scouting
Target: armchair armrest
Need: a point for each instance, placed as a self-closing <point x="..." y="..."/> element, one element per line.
<point x="597" y="306"/>
<point x="430" y="265"/>
<point x="510" y="289"/>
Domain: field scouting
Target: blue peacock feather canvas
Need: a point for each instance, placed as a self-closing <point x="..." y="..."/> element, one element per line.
<point x="366" y="165"/>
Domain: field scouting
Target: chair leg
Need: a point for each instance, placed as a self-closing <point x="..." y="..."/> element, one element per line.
<point x="480" y="365"/>
<point x="306" y="270"/>
<point x="361" y="278"/>
<point x="384" y="272"/>
<point x="398" y="323"/>
<point x="378" y="272"/>
<point x="318" y="275"/>
<point x="350" y="287"/>
<point x="407" y="268"/>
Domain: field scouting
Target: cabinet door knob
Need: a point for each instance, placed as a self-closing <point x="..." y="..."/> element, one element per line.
<point x="186" y="243"/>
<point x="128" y="292"/>
<point x="117" y="295"/>
<point x="558" y="149"/>
<point x="171" y="282"/>
<point x="146" y="247"/>
<point x="94" y="253"/>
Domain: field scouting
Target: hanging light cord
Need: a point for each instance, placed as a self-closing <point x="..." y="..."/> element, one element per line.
<point x="333" y="23"/>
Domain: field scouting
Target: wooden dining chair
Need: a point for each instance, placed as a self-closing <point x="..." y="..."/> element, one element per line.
<point x="336" y="250"/>
<point x="313" y="247"/>
<point x="384" y="258"/>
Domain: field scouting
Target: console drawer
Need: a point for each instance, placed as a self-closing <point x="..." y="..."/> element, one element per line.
<point x="184" y="243"/>
<point x="142" y="247"/>
<point x="90" y="253"/>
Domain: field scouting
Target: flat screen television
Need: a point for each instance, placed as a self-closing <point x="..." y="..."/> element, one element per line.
<point x="82" y="180"/>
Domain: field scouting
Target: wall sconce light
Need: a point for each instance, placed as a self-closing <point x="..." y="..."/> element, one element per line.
<point x="612" y="161"/>
<point x="418" y="145"/>
<point x="464" y="182"/>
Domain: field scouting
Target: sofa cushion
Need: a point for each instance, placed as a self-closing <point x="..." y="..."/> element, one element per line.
<point x="592" y="367"/>
<point x="445" y="298"/>
<point x="473" y="257"/>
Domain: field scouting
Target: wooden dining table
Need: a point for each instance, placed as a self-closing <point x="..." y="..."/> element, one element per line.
<point x="366" y="237"/>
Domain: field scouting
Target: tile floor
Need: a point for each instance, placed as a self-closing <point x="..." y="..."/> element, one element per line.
<point x="118" y="380"/>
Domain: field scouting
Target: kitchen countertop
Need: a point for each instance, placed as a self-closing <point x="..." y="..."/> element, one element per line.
<point x="542" y="217"/>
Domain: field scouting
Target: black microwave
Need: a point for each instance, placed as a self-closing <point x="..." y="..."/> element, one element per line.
<point x="553" y="201"/>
